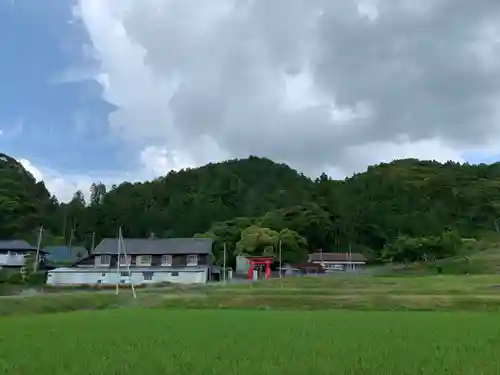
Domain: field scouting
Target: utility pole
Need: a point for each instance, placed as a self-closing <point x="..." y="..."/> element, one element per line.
<point x="71" y="237"/>
<point x="224" y="262"/>
<point x="118" y="251"/>
<point x="127" y="264"/>
<point x="280" y="258"/>
<point x="350" y="256"/>
<point x="40" y="234"/>
<point x="64" y="226"/>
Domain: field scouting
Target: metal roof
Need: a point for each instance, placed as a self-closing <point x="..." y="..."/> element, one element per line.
<point x="156" y="246"/>
<point x="337" y="257"/>
<point x="15" y="245"/>
<point x="66" y="253"/>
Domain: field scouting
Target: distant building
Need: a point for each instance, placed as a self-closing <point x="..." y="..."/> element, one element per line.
<point x="14" y="252"/>
<point x="302" y="269"/>
<point x="147" y="261"/>
<point x="65" y="254"/>
<point x="338" y="261"/>
<point x="242" y="265"/>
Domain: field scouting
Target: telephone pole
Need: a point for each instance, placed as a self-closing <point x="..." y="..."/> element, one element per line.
<point x="224" y="262"/>
<point x="40" y="234"/>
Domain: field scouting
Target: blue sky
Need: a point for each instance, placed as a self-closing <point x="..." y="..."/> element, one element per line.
<point x="50" y="122"/>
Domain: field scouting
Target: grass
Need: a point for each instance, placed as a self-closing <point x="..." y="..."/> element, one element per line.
<point x="464" y="293"/>
<point x="145" y="341"/>
<point x="216" y="329"/>
<point x="482" y="258"/>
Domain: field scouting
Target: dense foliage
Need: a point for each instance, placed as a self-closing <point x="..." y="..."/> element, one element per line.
<point x="25" y="204"/>
<point x="401" y="211"/>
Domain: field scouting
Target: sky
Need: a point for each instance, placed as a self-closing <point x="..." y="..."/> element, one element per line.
<point x="115" y="90"/>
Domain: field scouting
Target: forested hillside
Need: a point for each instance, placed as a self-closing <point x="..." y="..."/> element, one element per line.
<point x="24" y="203"/>
<point x="405" y="210"/>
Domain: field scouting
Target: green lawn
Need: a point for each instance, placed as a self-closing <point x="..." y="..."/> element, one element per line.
<point x="149" y="342"/>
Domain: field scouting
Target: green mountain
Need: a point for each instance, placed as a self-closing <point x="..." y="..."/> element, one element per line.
<point x="24" y="203"/>
<point x="189" y="201"/>
<point x="405" y="210"/>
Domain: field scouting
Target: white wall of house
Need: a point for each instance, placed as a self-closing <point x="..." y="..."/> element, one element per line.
<point x="12" y="259"/>
<point x="16" y="259"/>
<point x="73" y="276"/>
<point x="338" y="263"/>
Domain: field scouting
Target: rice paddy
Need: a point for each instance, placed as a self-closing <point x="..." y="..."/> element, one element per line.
<point x="158" y="341"/>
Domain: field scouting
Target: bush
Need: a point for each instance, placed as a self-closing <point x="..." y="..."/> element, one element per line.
<point x="38" y="278"/>
<point x="4" y="275"/>
<point x="414" y="249"/>
<point x="15" y="279"/>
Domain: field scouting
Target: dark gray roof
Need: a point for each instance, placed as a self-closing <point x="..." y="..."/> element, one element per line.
<point x="66" y="253"/>
<point x="15" y="245"/>
<point x="156" y="246"/>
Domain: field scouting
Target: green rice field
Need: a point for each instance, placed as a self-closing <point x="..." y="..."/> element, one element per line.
<point x="143" y="341"/>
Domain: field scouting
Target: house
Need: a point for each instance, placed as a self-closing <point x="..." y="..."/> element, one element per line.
<point x="309" y="268"/>
<point x="14" y="252"/>
<point x="338" y="261"/>
<point x="302" y="269"/>
<point x="65" y="254"/>
<point x="147" y="261"/>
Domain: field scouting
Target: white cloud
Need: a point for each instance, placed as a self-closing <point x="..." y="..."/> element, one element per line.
<point x="321" y="84"/>
<point x="32" y="169"/>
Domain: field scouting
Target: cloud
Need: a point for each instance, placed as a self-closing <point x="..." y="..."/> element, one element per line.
<point x="320" y="84"/>
<point x="74" y="75"/>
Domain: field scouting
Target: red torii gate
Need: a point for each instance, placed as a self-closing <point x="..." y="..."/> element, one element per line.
<point x="256" y="261"/>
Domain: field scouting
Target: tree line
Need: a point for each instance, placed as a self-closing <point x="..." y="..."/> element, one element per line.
<point x="405" y="210"/>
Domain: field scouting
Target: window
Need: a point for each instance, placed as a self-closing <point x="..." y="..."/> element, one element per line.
<point x="174" y="273"/>
<point x="126" y="274"/>
<point x="144" y="260"/>
<point x="166" y="260"/>
<point x="125" y="259"/>
<point x="103" y="274"/>
<point x="103" y="260"/>
<point x="192" y="260"/>
<point x="148" y="276"/>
